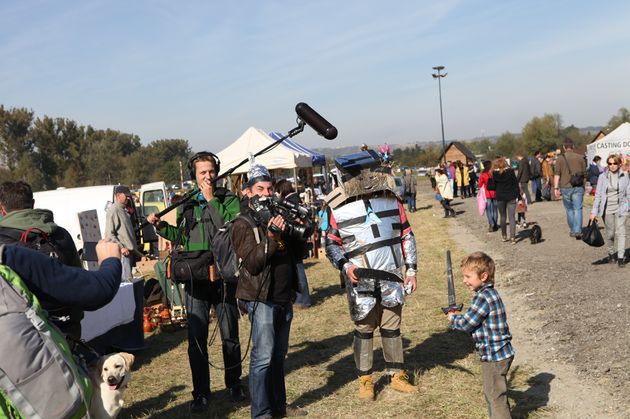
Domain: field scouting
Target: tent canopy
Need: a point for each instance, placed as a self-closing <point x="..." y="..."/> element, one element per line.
<point x="254" y="140"/>
<point x="616" y="142"/>
<point x="317" y="158"/>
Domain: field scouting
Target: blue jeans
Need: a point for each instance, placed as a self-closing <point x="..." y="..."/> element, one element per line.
<point x="271" y="324"/>
<point x="411" y="202"/>
<point x="491" y="212"/>
<point x="536" y="189"/>
<point x="303" y="298"/>
<point x="572" y="199"/>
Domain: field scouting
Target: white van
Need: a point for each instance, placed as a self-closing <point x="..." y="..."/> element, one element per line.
<point x="67" y="203"/>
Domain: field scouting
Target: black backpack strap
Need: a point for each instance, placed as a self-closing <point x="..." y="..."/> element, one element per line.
<point x="9" y="235"/>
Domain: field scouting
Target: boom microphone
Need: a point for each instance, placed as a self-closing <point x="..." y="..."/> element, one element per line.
<point x="316" y="121"/>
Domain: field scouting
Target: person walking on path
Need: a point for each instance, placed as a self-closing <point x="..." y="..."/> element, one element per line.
<point x="443" y="187"/>
<point x="535" y="166"/>
<point x="611" y="204"/>
<point x="524" y="174"/>
<point x="547" y="174"/>
<point x="491" y="194"/>
<point x="507" y="192"/>
<point x="568" y="182"/>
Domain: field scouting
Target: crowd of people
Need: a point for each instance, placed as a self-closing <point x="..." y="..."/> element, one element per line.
<point x="549" y="176"/>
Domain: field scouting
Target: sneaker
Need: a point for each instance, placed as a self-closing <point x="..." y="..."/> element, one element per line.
<point x="199" y="404"/>
<point x="400" y="382"/>
<point x="578" y="236"/>
<point x="491" y="229"/>
<point x="612" y="258"/>
<point x="505" y="239"/>
<point x="237" y="394"/>
<point x="513" y="240"/>
<point x="366" y="387"/>
<point x="621" y="263"/>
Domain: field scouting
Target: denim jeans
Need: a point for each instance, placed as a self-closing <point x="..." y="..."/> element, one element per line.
<point x="572" y="199"/>
<point x="198" y="307"/>
<point x="271" y="324"/>
<point x="491" y="212"/>
<point x="302" y="298"/>
<point x="536" y="189"/>
<point x="411" y="202"/>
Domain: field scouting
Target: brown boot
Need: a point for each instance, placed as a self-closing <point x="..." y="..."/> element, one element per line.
<point x="400" y="382"/>
<point x="366" y="387"/>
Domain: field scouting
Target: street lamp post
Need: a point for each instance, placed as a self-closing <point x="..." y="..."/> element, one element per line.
<point x="439" y="77"/>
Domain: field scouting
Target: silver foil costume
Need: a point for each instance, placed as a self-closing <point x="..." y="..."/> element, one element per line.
<point x="370" y="230"/>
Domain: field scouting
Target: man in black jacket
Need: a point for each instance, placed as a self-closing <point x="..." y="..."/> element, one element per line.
<point x="267" y="284"/>
<point x="524" y="174"/>
<point x="535" y="165"/>
<point x="36" y="228"/>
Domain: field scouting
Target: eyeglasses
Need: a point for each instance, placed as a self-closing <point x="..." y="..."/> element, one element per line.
<point x="612" y="163"/>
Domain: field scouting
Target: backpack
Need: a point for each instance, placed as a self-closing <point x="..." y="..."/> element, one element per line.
<point x="38" y="375"/>
<point x="33" y="238"/>
<point x="225" y="258"/>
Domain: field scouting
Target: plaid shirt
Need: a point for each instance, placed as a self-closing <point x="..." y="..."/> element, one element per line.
<point x="486" y="321"/>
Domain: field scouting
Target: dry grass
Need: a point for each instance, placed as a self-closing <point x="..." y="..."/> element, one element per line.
<point x="320" y="367"/>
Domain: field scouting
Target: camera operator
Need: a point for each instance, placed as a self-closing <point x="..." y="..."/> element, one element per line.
<point x="267" y="284"/>
<point x="200" y="218"/>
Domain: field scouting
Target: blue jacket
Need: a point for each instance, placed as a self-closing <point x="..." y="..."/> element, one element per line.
<point x="50" y="280"/>
<point x="600" y="196"/>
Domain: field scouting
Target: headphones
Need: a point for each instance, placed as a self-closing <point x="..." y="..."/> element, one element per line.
<point x="197" y="156"/>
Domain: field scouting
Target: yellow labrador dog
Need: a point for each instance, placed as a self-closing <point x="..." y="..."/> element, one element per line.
<point x="110" y="378"/>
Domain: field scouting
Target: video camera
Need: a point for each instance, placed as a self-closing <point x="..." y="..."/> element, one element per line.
<point x="268" y="207"/>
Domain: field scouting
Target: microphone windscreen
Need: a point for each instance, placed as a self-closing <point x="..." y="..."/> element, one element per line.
<point x="316" y="121"/>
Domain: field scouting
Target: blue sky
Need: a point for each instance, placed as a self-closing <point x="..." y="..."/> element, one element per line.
<point x="207" y="70"/>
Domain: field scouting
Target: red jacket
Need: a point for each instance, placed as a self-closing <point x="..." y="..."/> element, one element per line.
<point x="483" y="181"/>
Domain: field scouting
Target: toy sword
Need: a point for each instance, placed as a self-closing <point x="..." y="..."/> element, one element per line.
<point x="452" y="302"/>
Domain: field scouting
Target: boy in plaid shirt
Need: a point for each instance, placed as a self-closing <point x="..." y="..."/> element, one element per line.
<point x="486" y="321"/>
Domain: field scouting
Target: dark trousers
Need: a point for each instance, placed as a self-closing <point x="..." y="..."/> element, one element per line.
<point x="199" y="298"/>
<point x="446" y="204"/>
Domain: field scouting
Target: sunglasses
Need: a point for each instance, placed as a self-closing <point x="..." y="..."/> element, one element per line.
<point x="612" y="163"/>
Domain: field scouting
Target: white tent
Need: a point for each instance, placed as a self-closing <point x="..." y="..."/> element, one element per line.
<point x="616" y="142"/>
<point x="254" y="140"/>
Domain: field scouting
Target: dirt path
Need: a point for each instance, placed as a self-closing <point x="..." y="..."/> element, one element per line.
<point x="570" y="319"/>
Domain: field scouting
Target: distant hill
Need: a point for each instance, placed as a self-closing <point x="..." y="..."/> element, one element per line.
<point x="340" y="151"/>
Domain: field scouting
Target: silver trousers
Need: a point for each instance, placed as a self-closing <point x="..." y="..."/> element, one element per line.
<point x="615" y="229"/>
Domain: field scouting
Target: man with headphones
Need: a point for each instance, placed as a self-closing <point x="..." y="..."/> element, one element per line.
<point x="197" y="221"/>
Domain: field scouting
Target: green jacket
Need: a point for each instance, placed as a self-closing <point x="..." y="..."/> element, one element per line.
<point x="196" y="232"/>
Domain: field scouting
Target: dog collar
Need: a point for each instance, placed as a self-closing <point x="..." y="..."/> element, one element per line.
<point x="122" y="380"/>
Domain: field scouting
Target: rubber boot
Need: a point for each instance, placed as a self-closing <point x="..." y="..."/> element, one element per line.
<point x="400" y="382"/>
<point x="366" y="387"/>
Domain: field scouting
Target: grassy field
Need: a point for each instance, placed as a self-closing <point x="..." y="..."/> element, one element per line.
<point x="320" y="367"/>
